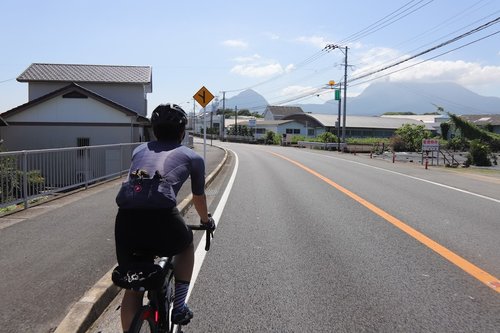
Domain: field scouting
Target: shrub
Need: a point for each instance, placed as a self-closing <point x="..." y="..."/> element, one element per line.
<point x="397" y="143"/>
<point x="479" y="154"/>
<point x="457" y="144"/>
<point x="297" y="138"/>
<point x="327" y="137"/>
<point x="412" y="135"/>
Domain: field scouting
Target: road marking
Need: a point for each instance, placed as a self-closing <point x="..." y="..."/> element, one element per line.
<point x="416" y="178"/>
<point x="476" y="272"/>
<point x="199" y="255"/>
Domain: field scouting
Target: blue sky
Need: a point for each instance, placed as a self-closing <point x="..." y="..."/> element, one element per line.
<point x="275" y="47"/>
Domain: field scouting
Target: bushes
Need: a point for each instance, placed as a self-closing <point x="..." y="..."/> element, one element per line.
<point x="327" y="137"/>
<point x="409" y="137"/>
<point x="479" y="154"/>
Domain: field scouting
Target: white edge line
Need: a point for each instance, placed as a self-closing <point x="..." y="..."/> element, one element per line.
<point x="416" y="178"/>
<point x="200" y="253"/>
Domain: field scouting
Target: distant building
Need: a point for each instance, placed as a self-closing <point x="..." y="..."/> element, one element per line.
<point x="433" y="121"/>
<point x="279" y="112"/>
<point x="356" y="126"/>
<point x="491" y="121"/>
<point x="79" y="105"/>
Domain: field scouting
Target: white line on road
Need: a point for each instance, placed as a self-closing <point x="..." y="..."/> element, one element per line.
<point x="416" y="178"/>
<point x="200" y="253"/>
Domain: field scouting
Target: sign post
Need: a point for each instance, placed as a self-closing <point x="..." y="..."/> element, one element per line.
<point x="203" y="97"/>
<point x="430" y="145"/>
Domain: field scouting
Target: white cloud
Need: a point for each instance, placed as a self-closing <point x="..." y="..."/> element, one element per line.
<point x="256" y="70"/>
<point x="317" y="41"/>
<point x="458" y="71"/>
<point x="472" y="75"/>
<point x="297" y="90"/>
<point x="290" y="68"/>
<point x="235" y="43"/>
<point x="252" y="58"/>
<point x="271" y="35"/>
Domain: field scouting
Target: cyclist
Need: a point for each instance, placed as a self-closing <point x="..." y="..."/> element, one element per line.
<point x="148" y="225"/>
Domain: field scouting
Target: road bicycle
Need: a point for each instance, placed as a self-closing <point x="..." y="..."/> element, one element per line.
<point x="158" y="280"/>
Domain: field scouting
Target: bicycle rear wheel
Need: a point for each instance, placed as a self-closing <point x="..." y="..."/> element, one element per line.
<point x="144" y="321"/>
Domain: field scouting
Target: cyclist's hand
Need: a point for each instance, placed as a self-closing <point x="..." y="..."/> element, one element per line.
<point x="210" y="224"/>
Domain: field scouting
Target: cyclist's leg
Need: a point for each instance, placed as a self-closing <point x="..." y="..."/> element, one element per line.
<point x="131" y="303"/>
<point x="184" y="262"/>
<point x="128" y="237"/>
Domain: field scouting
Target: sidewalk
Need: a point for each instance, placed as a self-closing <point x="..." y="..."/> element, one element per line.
<point x="91" y="306"/>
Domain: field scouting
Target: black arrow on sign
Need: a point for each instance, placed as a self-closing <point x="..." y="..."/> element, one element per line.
<point x="202" y="95"/>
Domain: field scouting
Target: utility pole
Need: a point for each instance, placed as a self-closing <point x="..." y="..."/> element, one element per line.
<point x="194" y="116"/>
<point x="328" y="48"/>
<point x="223" y="122"/>
<point x="236" y="120"/>
<point x="338" y="121"/>
<point x="345" y="95"/>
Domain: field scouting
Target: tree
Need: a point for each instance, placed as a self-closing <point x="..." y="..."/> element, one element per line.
<point x="272" y="138"/>
<point x="412" y="136"/>
<point x="470" y="131"/>
<point x="479" y="154"/>
<point x="445" y="129"/>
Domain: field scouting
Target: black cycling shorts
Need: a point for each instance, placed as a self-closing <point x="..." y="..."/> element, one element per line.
<point x="142" y="234"/>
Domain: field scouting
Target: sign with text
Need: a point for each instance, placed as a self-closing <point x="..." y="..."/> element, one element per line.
<point x="430" y="145"/>
<point x="203" y="96"/>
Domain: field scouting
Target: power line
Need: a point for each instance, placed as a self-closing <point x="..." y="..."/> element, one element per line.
<point x="436" y="40"/>
<point x="467" y="11"/>
<point x="468" y="33"/>
<point x="7" y="80"/>
<point x="382" y="23"/>
<point x="418" y="63"/>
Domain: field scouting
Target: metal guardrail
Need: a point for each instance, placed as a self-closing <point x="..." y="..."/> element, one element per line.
<point x="322" y="145"/>
<point x="30" y="174"/>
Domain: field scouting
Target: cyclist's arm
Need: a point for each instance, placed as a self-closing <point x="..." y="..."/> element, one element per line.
<point x="200" y="204"/>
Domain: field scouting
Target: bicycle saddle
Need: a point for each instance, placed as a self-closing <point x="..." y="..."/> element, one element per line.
<point x="139" y="276"/>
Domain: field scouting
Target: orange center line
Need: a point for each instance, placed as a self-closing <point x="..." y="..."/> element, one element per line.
<point x="465" y="265"/>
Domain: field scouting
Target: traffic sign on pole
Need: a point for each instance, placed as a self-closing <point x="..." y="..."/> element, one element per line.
<point x="203" y="96"/>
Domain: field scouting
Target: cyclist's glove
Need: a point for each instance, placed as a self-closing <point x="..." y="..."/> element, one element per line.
<point x="210" y="224"/>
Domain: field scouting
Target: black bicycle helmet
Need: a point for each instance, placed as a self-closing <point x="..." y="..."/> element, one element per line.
<point x="169" y="114"/>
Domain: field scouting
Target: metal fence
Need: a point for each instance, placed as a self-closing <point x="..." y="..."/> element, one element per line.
<point x="31" y="174"/>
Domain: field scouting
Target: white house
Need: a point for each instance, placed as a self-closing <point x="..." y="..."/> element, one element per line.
<point x="79" y="105"/>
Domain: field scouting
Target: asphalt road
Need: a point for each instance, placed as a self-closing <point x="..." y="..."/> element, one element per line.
<point x="306" y="243"/>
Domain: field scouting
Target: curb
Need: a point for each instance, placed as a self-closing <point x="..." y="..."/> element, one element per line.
<point x="88" y="309"/>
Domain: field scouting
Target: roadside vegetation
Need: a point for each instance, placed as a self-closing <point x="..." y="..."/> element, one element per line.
<point x="458" y="135"/>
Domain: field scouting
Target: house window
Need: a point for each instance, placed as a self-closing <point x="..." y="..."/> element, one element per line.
<point x="82" y="142"/>
<point x="310" y="132"/>
<point x="260" y="131"/>
<point x="293" y="131"/>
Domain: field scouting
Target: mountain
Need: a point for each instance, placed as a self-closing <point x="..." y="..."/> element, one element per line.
<point x="247" y="99"/>
<point x="418" y="98"/>
<point x="382" y="97"/>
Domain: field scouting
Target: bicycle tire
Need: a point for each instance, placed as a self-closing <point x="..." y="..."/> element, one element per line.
<point x="144" y="321"/>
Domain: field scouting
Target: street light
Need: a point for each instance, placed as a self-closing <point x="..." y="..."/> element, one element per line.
<point x="328" y="48"/>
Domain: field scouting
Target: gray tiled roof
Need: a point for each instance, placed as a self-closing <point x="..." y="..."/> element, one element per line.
<point x="367" y="122"/>
<point x="284" y="110"/>
<point x="86" y="73"/>
<point x="493" y="119"/>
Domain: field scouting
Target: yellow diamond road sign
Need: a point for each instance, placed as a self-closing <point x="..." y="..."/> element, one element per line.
<point x="203" y="96"/>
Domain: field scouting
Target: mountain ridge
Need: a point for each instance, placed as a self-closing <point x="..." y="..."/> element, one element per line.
<point x="382" y="97"/>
